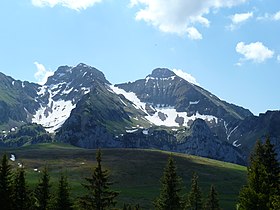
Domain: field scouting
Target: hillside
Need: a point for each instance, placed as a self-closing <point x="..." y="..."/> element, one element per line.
<point x="136" y="172"/>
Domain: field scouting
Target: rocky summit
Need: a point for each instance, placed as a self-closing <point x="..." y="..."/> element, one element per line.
<point x="78" y="105"/>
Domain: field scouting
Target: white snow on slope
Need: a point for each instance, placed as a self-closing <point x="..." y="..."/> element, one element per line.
<point x="54" y="114"/>
<point x="170" y="113"/>
<point x="131" y="97"/>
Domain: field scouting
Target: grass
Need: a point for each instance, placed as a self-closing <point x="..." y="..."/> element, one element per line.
<point x="136" y="172"/>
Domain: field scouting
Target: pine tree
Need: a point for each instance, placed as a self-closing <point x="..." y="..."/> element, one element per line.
<point x="212" y="202"/>
<point x="194" y="201"/>
<point x="169" y="198"/>
<point x="99" y="196"/>
<point x="42" y="192"/>
<point x="5" y="184"/>
<point x="21" y="199"/>
<point x="62" y="201"/>
<point x="263" y="179"/>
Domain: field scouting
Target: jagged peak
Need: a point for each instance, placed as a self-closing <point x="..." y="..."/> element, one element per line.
<point x="81" y="71"/>
<point x="162" y="73"/>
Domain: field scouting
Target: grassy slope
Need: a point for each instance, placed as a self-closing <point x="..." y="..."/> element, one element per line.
<point x="136" y="172"/>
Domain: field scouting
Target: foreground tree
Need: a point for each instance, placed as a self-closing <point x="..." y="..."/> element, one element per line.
<point x="169" y="198"/>
<point x="212" y="202"/>
<point x="194" y="200"/>
<point x="263" y="179"/>
<point x="5" y="184"/>
<point x="42" y="192"/>
<point x="21" y="200"/>
<point x="99" y="196"/>
<point x="62" y="200"/>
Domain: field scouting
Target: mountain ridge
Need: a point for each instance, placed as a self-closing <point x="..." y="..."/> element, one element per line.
<point x="78" y="105"/>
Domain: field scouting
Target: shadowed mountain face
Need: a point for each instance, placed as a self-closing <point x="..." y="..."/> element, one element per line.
<point x="80" y="106"/>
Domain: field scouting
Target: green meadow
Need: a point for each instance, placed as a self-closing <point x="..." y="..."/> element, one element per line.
<point x="136" y="173"/>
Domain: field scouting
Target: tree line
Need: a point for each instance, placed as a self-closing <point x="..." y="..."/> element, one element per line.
<point x="262" y="191"/>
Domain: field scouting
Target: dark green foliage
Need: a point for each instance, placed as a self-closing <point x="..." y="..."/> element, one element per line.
<point x="5" y="184"/>
<point x="63" y="201"/>
<point x="131" y="207"/>
<point x="194" y="200"/>
<point x="263" y="179"/>
<point x="21" y="200"/>
<point x="212" y="202"/>
<point x="99" y="196"/>
<point x="169" y="198"/>
<point x="42" y="192"/>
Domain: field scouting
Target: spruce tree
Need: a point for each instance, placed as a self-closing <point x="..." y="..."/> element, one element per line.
<point x="21" y="200"/>
<point x="42" y="191"/>
<point x="99" y="196"/>
<point x="5" y="184"/>
<point x="169" y="198"/>
<point x="212" y="202"/>
<point x="263" y="179"/>
<point x="62" y="201"/>
<point x="272" y="168"/>
<point x="194" y="200"/>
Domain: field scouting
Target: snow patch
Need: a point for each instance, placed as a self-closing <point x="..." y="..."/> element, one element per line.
<point x="13" y="158"/>
<point x="235" y="144"/>
<point x="193" y="102"/>
<point x="131" y="131"/>
<point x="55" y="113"/>
<point x="164" y="115"/>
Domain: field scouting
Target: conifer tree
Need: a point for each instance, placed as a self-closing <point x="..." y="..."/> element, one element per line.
<point x="5" y="184"/>
<point x="99" y="196"/>
<point x="42" y="192"/>
<point x="194" y="201"/>
<point x="212" y="202"/>
<point x="263" y="179"/>
<point x="169" y="198"/>
<point x="62" y="201"/>
<point x="21" y="200"/>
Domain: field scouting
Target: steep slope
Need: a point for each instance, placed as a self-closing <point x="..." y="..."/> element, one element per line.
<point x="62" y="92"/>
<point x="16" y="102"/>
<point x="257" y="127"/>
<point x="163" y="88"/>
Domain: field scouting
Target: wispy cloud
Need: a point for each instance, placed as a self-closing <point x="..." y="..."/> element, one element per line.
<point x="273" y="17"/>
<point x="42" y="74"/>
<point x="278" y="58"/>
<point x="186" y="76"/>
<point x="71" y="4"/>
<point x="180" y="17"/>
<point x="255" y="52"/>
<point x="238" y="19"/>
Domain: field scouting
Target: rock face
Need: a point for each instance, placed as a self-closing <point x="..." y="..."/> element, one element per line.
<point x="202" y="142"/>
<point x="78" y="105"/>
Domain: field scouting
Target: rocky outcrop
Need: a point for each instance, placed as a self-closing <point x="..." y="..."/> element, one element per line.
<point x="202" y="142"/>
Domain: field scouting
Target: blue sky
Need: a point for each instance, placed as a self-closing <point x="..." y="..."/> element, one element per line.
<point x="229" y="47"/>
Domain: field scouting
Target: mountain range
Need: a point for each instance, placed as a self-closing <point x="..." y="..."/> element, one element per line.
<point x="78" y="105"/>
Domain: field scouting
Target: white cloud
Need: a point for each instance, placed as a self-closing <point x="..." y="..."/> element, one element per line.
<point x="276" y="16"/>
<point x="278" y="58"/>
<point x="193" y="33"/>
<point x="179" y="16"/>
<point x="241" y="17"/>
<point x="71" y="4"/>
<point x="185" y="76"/>
<point x="267" y="16"/>
<point x="256" y="52"/>
<point x="238" y="19"/>
<point x="42" y="74"/>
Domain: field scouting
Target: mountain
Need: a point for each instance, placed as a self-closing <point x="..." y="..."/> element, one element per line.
<point x="78" y="105"/>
